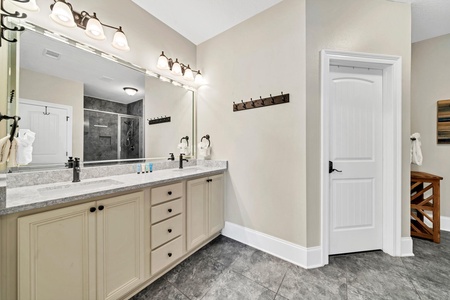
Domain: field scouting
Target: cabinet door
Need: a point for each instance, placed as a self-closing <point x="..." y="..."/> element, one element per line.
<point x="197" y="212"/>
<point x="55" y="254"/>
<point x="216" y="195"/>
<point x="120" y="245"/>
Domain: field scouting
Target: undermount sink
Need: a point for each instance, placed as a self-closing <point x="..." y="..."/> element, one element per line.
<point x="87" y="185"/>
<point x="188" y="169"/>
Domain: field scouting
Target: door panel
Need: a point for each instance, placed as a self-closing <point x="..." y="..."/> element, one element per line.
<point x="356" y="149"/>
<point x="197" y="212"/>
<point x="216" y="195"/>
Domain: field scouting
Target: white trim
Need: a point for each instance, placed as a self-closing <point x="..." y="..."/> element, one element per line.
<point x="445" y="223"/>
<point x="304" y="257"/>
<point x="407" y="246"/>
<point x="392" y="101"/>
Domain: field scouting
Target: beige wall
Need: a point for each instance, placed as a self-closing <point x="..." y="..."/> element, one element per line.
<point x="362" y="26"/>
<point x="429" y="83"/>
<point x="165" y="99"/>
<point x="43" y="87"/>
<point x="265" y="147"/>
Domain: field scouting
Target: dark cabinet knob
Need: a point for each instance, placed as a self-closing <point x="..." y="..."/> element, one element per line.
<point x="169" y="230"/>
<point x="169" y="210"/>
<point x="169" y="192"/>
<point x="208" y="180"/>
<point x="92" y="209"/>
<point x="169" y="254"/>
<point x="101" y="207"/>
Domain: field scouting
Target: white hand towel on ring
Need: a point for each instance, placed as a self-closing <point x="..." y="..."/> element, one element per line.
<point x="416" y="156"/>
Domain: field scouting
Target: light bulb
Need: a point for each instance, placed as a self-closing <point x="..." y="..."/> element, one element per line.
<point x="188" y="75"/>
<point x="176" y="68"/>
<point x="30" y="5"/>
<point x="163" y="62"/>
<point x="94" y="28"/>
<point x="62" y="14"/>
<point x="130" y="91"/>
<point x="199" y="78"/>
<point x="120" y="40"/>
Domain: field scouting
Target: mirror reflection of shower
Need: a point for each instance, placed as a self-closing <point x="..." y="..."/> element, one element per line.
<point x="129" y="137"/>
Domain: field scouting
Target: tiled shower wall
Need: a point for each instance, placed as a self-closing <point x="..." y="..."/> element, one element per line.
<point x="101" y="130"/>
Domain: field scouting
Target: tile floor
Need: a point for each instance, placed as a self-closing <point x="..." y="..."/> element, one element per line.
<point x="226" y="269"/>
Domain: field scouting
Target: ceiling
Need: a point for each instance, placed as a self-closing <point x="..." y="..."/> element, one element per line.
<point x="101" y="77"/>
<point x="200" y="20"/>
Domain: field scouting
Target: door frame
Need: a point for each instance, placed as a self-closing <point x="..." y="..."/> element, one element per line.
<point x="392" y="150"/>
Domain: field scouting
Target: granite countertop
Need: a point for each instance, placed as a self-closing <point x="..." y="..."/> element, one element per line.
<point x="44" y="195"/>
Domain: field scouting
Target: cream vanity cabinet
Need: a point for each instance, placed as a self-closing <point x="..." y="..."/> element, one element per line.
<point x="205" y="215"/>
<point x="93" y="250"/>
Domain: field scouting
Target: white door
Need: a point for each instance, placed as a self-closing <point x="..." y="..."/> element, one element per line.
<point x="52" y="127"/>
<point x="356" y="150"/>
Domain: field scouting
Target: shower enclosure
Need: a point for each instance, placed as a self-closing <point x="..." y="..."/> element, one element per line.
<point x="110" y="136"/>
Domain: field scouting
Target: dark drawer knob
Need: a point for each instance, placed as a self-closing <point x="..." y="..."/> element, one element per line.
<point x="169" y="254"/>
<point x="208" y="180"/>
<point x="169" y="210"/>
<point x="92" y="209"/>
<point x="169" y="192"/>
<point x="101" y="207"/>
<point x="169" y="230"/>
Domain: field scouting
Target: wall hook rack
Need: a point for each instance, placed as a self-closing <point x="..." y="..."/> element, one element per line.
<point x="6" y="14"/>
<point x="159" y="120"/>
<point x="262" y="102"/>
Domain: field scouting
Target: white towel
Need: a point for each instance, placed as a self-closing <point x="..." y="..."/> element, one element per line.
<point x="416" y="152"/>
<point x="184" y="149"/>
<point x="8" y="151"/>
<point x="25" y="148"/>
<point x="204" y="150"/>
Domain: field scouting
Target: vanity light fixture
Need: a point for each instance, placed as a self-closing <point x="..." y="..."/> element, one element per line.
<point x="130" y="90"/>
<point x="29" y="5"/>
<point x="63" y="14"/>
<point x="179" y="69"/>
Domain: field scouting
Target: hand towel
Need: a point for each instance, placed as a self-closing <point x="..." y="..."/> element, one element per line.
<point x="5" y="146"/>
<point x="25" y="148"/>
<point x="416" y="156"/>
<point x="204" y="150"/>
<point x="184" y="149"/>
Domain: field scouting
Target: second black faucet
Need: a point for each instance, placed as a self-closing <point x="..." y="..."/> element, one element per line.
<point x="181" y="160"/>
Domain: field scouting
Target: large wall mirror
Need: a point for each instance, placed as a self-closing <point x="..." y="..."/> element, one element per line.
<point x="74" y="99"/>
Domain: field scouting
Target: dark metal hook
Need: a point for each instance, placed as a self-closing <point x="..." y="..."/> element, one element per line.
<point x="273" y="100"/>
<point x="245" y="107"/>
<point x="262" y="101"/>
<point x="253" y="103"/>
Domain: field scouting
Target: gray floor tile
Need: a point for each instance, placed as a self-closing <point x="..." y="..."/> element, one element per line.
<point x="160" y="290"/>
<point x="328" y="282"/>
<point x="430" y="290"/>
<point x="261" y="267"/>
<point x="225" y="250"/>
<point x="233" y="286"/>
<point x="196" y="276"/>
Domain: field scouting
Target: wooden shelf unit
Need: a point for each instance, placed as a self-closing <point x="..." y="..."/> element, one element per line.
<point x="425" y="207"/>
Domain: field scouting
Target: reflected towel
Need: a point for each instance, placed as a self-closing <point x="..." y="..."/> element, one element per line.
<point x="8" y="151"/>
<point x="25" y="148"/>
<point x="416" y="156"/>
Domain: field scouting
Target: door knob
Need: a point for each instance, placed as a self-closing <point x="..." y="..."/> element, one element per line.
<point x="331" y="169"/>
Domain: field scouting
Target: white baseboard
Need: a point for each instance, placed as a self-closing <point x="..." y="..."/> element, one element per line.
<point x="304" y="257"/>
<point x="445" y="223"/>
<point x="407" y="246"/>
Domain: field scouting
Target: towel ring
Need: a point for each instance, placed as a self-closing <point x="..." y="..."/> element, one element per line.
<point x="206" y="137"/>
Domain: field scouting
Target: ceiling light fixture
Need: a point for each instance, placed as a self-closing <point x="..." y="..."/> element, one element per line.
<point x="63" y="14"/>
<point x="130" y="90"/>
<point x="179" y="69"/>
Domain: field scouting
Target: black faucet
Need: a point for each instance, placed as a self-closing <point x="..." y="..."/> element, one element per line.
<point x="171" y="157"/>
<point x="69" y="163"/>
<point x="181" y="160"/>
<point x="76" y="170"/>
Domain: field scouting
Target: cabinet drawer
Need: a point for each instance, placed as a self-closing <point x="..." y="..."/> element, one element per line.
<point x="166" y="210"/>
<point x="166" y="230"/>
<point x="166" y="193"/>
<point x="166" y="254"/>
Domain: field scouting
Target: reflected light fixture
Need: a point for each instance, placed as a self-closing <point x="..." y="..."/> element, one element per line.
<point x="130" y="90"/>
<point x="179" y="69"/>
<point x="64" y="14"/>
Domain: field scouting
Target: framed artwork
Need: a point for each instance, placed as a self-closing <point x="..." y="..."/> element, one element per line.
<point x="443" y="122"/>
